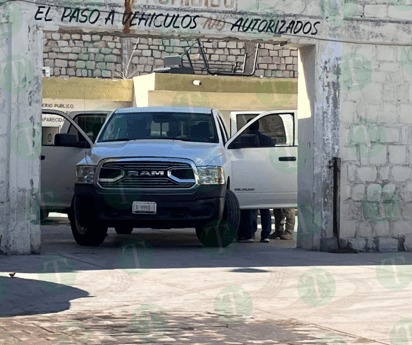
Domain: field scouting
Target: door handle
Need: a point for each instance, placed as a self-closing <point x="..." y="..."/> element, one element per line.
<point x="287" y="159"/>
<point x="42" y="157"/>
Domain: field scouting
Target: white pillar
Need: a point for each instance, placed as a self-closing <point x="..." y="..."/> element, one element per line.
<point x="20" y="129"/>
<point x="318" y="126"/>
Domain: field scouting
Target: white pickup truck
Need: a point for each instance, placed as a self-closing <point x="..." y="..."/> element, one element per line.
<point x="160" y="167"/>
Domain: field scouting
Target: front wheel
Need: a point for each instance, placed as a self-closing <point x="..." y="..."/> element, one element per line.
<point x="221" y="233"/>
<point x="92" y="232"/>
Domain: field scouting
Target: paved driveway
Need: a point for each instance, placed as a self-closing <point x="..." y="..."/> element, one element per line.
<point x="162" y="286"/>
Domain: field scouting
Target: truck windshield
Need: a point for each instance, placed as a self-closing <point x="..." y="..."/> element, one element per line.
<point x="179" y="126"/>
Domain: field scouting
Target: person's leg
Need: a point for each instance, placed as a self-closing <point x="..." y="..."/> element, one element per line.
<point x="241" y="232"/>
<point x="290" y="223"/>
<point x="248" y="231"/>
<point x="254" y="222"/>
<point x="266" y="221"/>
<point x="279" y="223"/>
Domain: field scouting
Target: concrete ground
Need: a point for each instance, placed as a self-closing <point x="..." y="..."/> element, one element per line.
<point x="162" y="286"/>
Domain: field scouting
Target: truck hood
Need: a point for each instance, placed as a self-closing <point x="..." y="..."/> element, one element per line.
<point x="200" y="153"/>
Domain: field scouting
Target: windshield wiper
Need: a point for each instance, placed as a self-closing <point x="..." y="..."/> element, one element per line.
<point x="112" y="140"/>
<point x="181" y="139"/>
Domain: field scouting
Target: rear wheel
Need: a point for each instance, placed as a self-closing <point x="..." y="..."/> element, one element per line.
<point x="123" y="230"/>
<point x="221" y="233"/>
<point x="92" y="232"/>
<point x="43" y="214"/>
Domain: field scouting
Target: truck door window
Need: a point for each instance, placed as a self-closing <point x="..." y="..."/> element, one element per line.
<point x="242" y="119"/>
<point x="271" y="130"/>
<point x="275" y="126"/>
<point x="90" y="124"/>
<point x="51" y="125"/>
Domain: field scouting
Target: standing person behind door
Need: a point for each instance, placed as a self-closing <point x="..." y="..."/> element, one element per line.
<point x="250" y="215"/>
<point x="264" y="140"/>
<point x="283" y="216"/>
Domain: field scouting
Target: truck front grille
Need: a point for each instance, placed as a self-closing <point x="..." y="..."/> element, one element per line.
<point x="146" y="175"/>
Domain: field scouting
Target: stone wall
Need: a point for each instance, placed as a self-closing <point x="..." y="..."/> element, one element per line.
<point x="104" y="56"/>
<point x="376" y="132"/>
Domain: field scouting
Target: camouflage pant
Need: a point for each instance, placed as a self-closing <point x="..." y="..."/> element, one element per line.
<point x="280" y="221"/>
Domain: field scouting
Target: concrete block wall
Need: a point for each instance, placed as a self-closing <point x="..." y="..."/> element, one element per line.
<point x="376" y="128"/>
<point x="104" y="56"/>
<point x="82" y="55"/>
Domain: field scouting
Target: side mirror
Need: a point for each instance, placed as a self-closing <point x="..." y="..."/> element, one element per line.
<point x="245" y="141"/>
<point x="69" y="140"/>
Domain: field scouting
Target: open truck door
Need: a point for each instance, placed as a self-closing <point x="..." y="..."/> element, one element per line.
<point x="264" y="173"/>
<point x="60" y="153"/>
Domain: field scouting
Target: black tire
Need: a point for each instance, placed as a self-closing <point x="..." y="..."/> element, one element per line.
<point x="43" y="215"/>
<point x="221" y="233"/>
<point x="123" y="230"/>
<point x="92" y="233"/>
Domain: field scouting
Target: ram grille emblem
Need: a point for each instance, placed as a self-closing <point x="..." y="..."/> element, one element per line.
<point x="146" y="173"/>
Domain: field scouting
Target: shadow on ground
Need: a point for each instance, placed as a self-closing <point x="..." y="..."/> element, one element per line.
<point x="20" y="296"/>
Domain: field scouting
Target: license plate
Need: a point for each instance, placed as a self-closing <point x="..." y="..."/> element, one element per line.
<point x="144" y="207"/>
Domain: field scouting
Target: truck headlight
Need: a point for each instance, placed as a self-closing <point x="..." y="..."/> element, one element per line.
<point x="85" y="174"/>
<point x="211" y="175"/>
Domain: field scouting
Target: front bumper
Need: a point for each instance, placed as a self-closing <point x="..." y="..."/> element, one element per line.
<point x="176" y="209"/>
